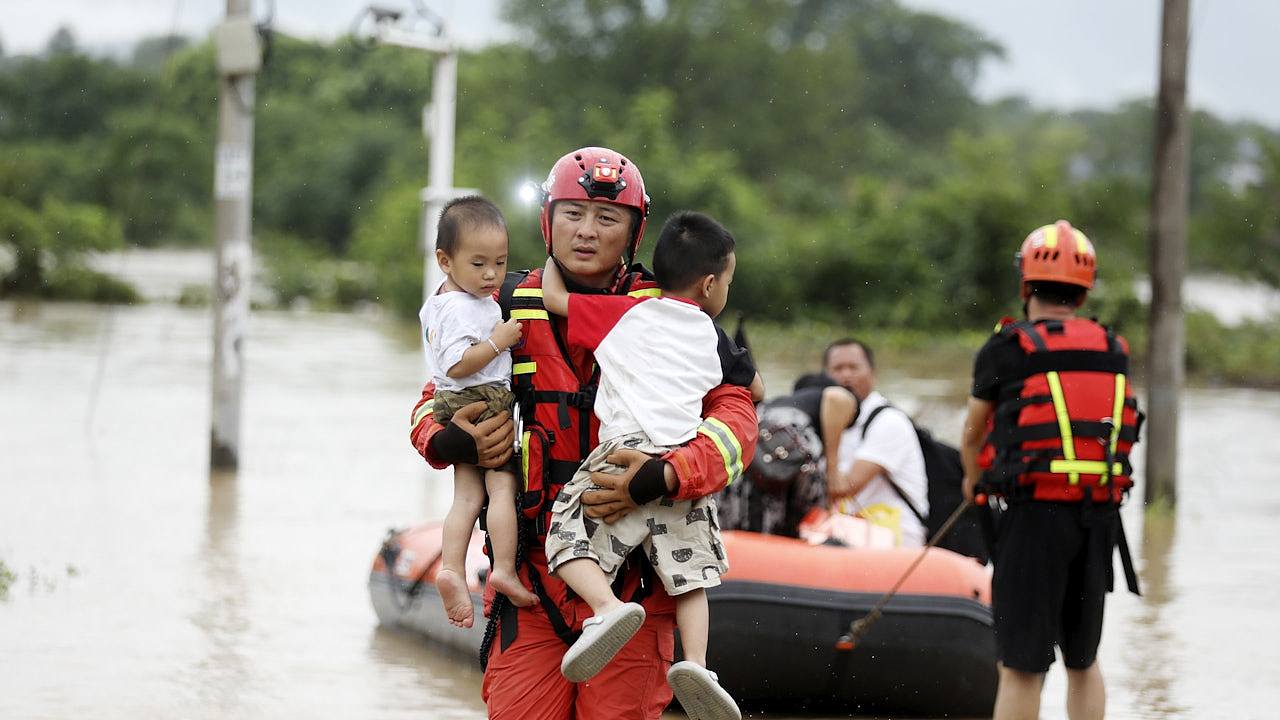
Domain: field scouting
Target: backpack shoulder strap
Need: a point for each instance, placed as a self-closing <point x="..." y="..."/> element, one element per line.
<point x="872" y="417"/>
<point x="889" y="478"/>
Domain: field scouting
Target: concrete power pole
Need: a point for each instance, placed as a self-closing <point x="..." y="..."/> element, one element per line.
<point x="239" y="57"/>
<point x="1168" y="259"/>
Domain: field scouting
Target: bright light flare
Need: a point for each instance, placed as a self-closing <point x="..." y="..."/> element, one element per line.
<point x="528" y="192"/>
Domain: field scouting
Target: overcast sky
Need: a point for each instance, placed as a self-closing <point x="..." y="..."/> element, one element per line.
<point x="1084" y="53"/>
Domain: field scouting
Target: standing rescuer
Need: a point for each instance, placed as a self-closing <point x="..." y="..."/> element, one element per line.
<point x="593" y="216"/>
<point x="1052" y="419"/>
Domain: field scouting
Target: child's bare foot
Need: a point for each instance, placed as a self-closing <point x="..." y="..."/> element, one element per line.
<point x="456" y="597"/>
<point x="509" y="584"/>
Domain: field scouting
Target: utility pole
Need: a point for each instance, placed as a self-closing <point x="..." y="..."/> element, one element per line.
<point x="438" y="122"/>
<point x="395" y="28"/>
<point x="1168" y="259"/>
<point x="239" y="57"/>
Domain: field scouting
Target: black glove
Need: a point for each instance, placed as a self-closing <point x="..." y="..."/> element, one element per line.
<point x="454" y="445"/>
<point x="649" y="483"/>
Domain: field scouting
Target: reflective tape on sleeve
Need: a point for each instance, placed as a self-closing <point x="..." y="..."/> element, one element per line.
<point x="728" y="445"/>
<point x="422" y="412"/>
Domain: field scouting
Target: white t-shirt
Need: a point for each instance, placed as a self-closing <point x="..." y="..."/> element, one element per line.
<point x="892" y="444"/>
<point x="451" y="323"/>
<point x="658" y="358"/>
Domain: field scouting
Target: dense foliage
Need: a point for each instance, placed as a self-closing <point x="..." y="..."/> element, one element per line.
<point x="840" y="140"/>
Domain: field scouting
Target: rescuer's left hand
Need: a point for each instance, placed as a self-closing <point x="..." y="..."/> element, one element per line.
<point x="642" y="479"/>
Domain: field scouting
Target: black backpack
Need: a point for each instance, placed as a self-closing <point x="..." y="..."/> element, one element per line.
<point x="945" y="474"/>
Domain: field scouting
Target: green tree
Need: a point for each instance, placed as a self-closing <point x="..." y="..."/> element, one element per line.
<point x="47" y="245"/>
<point x="157" y="175"/>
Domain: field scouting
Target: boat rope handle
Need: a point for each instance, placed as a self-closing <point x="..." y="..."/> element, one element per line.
<point x="858" y="628"/>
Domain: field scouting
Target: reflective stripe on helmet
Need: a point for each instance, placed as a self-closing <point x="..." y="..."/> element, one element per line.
<point x="1050" y="236"/>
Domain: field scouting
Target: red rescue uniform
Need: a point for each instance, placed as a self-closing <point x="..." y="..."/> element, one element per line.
<point x="522" y="678"/>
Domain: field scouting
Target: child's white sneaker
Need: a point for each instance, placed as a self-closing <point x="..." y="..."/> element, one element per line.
<point x="602" y="637"/>
<point x="699" y="692"/>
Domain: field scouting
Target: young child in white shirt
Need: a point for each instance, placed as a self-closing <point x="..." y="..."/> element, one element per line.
<point x="658" y="358"/>
<point x="468" y="353"/>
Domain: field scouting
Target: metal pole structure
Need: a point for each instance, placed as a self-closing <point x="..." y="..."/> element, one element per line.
<point x="1168" y="259"/>
<point x="438" y="125"/>
<point x="439" y="190"/>
<point x="239" y="58"/>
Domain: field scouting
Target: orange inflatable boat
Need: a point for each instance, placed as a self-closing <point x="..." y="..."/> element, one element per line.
<point x="776" y="619"/>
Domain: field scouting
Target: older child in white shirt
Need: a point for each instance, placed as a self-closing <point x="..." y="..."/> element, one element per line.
<point x="658" y="358"/>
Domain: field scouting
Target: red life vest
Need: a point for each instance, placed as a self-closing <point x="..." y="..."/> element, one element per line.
<point x="556" y="389"/>
<point x="1064" y="428"/>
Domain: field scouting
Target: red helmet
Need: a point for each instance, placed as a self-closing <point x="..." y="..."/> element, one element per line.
<point x="594" y="173"/>
<point x="1057" y="253"/>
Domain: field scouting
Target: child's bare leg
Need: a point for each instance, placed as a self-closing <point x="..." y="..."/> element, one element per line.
<point x="451" y="580"/>
<point x="589" y="581"/>
<point x="501" y="524"/>
<point x="613" y="623"/>
<point x="693" y="619"/>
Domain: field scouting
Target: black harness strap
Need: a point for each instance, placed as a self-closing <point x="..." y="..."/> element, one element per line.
<point x="1079" y="429"/>
<point x="1010" y="408"/>
<point x="1112" y="360"/>
<point x="506" y="293"/>
<point x="1029" y="328"/>
<point x="1077" y="361"/>
<point x="889" y="478"/>
<point x="1126" y="559"/>
<point x="558" y="624"/>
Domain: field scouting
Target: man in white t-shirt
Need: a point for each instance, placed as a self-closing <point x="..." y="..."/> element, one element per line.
<point x="876" y="457"/>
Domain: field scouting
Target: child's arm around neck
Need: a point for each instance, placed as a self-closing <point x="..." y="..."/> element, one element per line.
<point x="555" y="296"/>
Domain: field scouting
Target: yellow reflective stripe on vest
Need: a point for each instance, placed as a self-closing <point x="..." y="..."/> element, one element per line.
<point x="1117" y="420"/>
<point x="646" y="292"/>
<point x="1086" y="467"/>
<point x="527" y="292"/>
<point x="529" y="315"/>
<point x="422" y="412"/>
<point x="728" y="445"/>
<point x="525" y="439"/>
<point x="524" y="368"/>
<point x="1064" y="425"/>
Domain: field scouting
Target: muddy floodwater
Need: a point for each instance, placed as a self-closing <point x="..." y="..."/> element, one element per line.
<point x="137" y="585"/>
